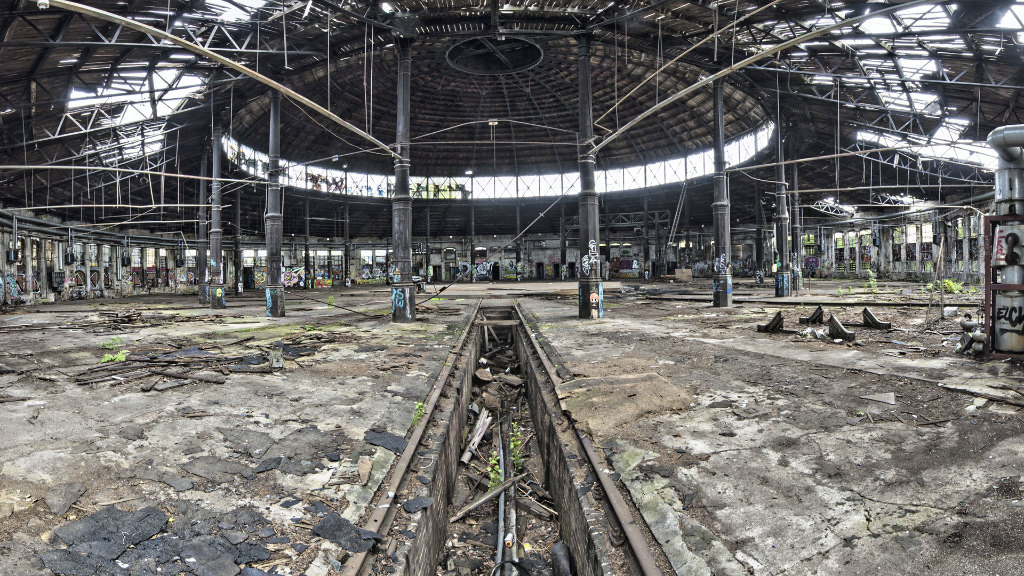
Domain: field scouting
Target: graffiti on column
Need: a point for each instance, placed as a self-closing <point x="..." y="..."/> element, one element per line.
<point x="591" y="258"/>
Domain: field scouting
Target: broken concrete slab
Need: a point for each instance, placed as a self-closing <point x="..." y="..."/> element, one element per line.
<point x="343" y="533"/>
<point x="247" y="441"/>
<point x="385" y="440"/>
<point x="132" y="432"/>
<point x="885" y="398"/>
<point x="216" y="469"/>
<point x="417" y="504"/>
<point x="61" y="497"/>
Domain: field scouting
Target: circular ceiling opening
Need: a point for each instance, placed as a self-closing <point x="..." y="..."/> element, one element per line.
<point x="492" y="56"/>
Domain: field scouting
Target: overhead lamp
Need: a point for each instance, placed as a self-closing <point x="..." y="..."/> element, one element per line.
<point x="43" y="4"/>
<point x="492" y="123"/>
<point x="469" y="172"/>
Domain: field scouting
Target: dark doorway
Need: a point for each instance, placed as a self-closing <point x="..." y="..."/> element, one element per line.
<point x="495" y="271"/>
<point x="571" y="270"/>
<point x="557" y="269"/>
<point x="540" y="270"/>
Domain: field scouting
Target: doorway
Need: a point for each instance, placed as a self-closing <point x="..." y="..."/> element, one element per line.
<point x="540" y="270"/>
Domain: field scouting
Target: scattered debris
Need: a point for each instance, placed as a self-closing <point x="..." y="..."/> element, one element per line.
<point x="61" y="497"/>
<point x="886" y="398"/>
<point x="385" y="440"/>
<point x="340" y="531"/>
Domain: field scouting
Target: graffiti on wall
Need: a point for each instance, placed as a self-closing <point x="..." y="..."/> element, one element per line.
<point x="259" y="275"/>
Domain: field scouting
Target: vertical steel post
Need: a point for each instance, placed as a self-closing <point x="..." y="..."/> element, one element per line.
<point x="346" y="266"/>
<point x="274" y="221"/>
<point x="217" y="296"/>
<point x="783" y="277"/>
<point x="426" y="248"/>
<point x="562" y="248"/>
<point x="798" y="232"/>
<point x="721" y="286"/>
<point x="403" y="291"/>
<point x="201" y="244"/>
<point x="238" y="242"/>
<point x="591" y="291"/>
<point x="307" y="267"/>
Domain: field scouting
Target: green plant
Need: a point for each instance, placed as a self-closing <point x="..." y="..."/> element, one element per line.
<point x="119" y="357"/>
<point x="114" y="343"/>
<point x="494" y="471"/>
<point x="872" y="284"/>
<point x="418" y="415"/>
<point x="839" y="291"/>
<point x="330" y="301"/>
<point x="515" y="445"/>
<point x="309" y="328"/>
<point x="948" y="286"/>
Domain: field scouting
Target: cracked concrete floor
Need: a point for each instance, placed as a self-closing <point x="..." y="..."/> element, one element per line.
<point x="283" y="446"/>
<point x="755" y="453"/>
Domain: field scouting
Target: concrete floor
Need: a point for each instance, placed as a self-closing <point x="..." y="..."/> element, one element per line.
<point x="746" y="452"/>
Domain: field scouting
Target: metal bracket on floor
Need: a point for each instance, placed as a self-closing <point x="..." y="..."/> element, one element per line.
<point x="816" y="317"/>
<point x="773" y="325"/>
<point x="871" y="322"/>
<point x="836" y="330"/>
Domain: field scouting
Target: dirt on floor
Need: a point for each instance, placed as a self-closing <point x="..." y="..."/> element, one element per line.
<point x="192" y="453"/>
<point x="753" y="453"/>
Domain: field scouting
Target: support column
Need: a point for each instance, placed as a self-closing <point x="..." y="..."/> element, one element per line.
<point x="41" y="268"/>
<point x="217" y="296"/>
<point x="472" y="239"/>
<point x="238" y="243"/>
<point x="721" y="287"/>
<point x="347" y="264"/>
<point x="519" y="244"/>
<point x="403" y="291"/>
<point x="426" y="249"/>
<point x="86" y="263"/>
<point x="306" y="266"/>
<point x="966" y="245"/>
<point x="759" y="239"/>
<point x="562" y="244"/>
<point x="783" y="277"/>
<point x="798" y="232"/>
<point x="201" y="244"/>
<point x="273" y="222"/>
<point x="591" y="290"/>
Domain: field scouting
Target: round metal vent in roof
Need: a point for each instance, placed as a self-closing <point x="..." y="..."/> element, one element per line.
<point x="493" y="56"/>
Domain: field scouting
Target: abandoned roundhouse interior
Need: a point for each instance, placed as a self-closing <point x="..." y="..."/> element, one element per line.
<point x="595" y="288"/>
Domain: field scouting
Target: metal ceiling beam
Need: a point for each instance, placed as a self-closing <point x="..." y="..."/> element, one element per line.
<point x="196" y="49"/>
<point x="746" y="62"/>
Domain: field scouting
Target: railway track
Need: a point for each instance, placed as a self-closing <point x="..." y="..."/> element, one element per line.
<point x="496" y="479"/>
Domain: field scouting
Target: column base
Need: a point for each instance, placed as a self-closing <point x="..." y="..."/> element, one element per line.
<point x="591" y="299"/>
<point x="721" y="291"/>
<point x="275" y="301"/>
<point x="783" y="284"/>
<point x="217" y="298"/>
<point x="204" y="293"/>
<point x="403" y="302"/>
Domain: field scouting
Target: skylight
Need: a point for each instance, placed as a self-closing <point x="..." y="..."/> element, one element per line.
<point x="233" y="11"/>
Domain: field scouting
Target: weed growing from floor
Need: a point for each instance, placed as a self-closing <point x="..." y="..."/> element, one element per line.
<point x="418" y="414"/>
<point x="515" y="445"/>
<point x="119" y="357"/>
<point x="494" y="471"/>
<point x="330" y="301"/>
<point x="114" y="343"/>
<point x="872" y="284"/>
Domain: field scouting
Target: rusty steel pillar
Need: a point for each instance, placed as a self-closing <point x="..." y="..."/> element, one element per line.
<point x="403" y="291"/>
<point x="201" y="244"/>
<point x="783" y="276"/>
<point x="217" y="296"/>
<point x="591" y="290"/>
<point x="721" y="286"/>
<point x="274" y="220"/>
